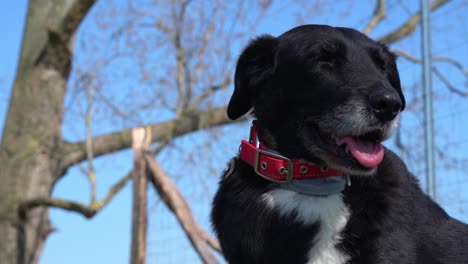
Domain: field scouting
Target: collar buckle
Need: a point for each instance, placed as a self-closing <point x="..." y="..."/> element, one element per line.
<point x="288" y="171"/>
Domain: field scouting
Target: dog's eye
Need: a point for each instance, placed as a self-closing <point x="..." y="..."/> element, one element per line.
<point x="333" y="51"/>
<point x="377" y="58"/>
<point x="381" y="56"/>
<point x="327" y="65"/>
<point x="317" y="64"/>
<point x="329" y="56"/>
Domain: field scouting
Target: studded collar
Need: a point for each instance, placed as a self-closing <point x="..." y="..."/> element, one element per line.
<point x="278" y="168"/>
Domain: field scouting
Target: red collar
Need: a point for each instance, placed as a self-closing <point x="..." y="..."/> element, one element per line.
<point x="277" y="168"/>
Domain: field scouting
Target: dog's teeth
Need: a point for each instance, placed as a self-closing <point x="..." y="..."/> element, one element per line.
<point x="346" y="149"/>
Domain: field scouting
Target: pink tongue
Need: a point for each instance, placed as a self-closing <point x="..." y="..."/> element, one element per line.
<point x="368" y="154"/>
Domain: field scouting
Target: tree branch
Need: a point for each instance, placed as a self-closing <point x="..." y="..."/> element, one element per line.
<point x="181" y="62"/>
<point x="447" y="83"/>
<point x="64" y="19"/>
<point x="210" y="91"/>
<point x="178" y="205"/>
<point x="409" y="26"/>
<point x="441" y="77"/>
<point x="52" y="37"/>
<point x="87" y="211"/>
<point x="91" y="172"/>
<point x="379" y="15"/>
<point x="204" y="45"/>
<point x="451" y="61"/>
<point x="186" y="123"/>
<point x="73" y="18"/>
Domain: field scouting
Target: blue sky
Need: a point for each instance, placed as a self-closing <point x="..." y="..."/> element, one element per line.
<point x="106" y="238"/>
<point x="11" y="23"/>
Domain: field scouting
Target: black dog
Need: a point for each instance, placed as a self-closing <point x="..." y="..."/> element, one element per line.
<point x="317" y="186"/>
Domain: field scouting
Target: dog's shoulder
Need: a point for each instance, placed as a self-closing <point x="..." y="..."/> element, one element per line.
<point x="389" y="210"/>
<point x="257" y="222"/>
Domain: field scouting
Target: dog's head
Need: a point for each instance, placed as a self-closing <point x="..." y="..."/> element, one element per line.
<point x="323" y="94"/>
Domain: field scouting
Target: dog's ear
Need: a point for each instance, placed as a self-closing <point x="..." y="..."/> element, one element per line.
<point x="254" y="67"/>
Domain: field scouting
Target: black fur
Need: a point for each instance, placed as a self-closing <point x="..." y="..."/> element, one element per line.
<point x="307" y="87"/>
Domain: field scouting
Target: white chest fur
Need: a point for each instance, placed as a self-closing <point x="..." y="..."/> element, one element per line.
<point x="330" y="211"/>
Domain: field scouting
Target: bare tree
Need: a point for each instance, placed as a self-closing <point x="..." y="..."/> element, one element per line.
<point x="193" y="46"/>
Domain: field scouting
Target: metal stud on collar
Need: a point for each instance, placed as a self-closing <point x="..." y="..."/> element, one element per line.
<point x="283" y="170"/>
<point x="288" y="171"/>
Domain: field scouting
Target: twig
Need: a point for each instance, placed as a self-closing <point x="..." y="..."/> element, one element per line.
<point x="210" y="91"/>
<point x="91" y="173"/>
<point x="441" y="77"/>
<point x="451" y="61"/>
<point x="87" y="211"/>
<point x="377" y="17"/>
<point x="160" y="147"/>
<point x="204" y="44"/>
<point x="409" y="26"/>
<point x="447" y="83"/>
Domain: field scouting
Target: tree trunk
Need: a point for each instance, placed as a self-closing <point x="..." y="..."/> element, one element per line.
<point x="29" y="149"/>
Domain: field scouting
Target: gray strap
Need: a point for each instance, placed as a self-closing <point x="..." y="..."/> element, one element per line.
<point x="318" y="187"/>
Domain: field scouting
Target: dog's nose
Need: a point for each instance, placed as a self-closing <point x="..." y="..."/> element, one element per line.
<point x="385" y="105"/>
